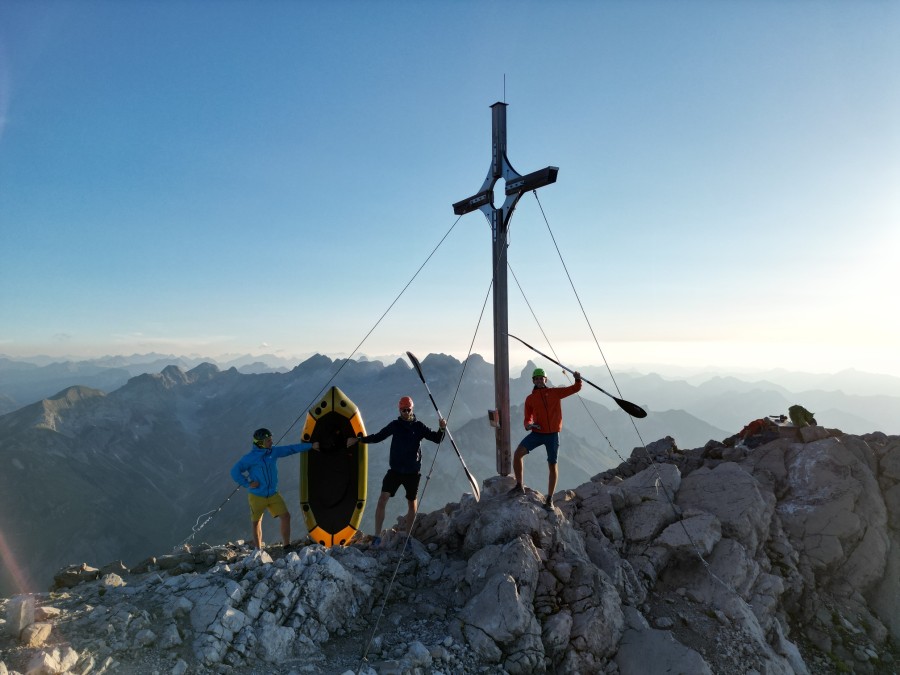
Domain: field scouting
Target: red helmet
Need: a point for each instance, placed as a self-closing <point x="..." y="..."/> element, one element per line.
<point x="405" y="402"/>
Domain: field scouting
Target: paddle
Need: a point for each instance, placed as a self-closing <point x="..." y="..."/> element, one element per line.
<point x="472" y="481"/>
<point x="627" y="406"/>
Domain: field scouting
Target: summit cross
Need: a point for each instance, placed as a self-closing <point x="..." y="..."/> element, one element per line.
<point x="515" y="186"/>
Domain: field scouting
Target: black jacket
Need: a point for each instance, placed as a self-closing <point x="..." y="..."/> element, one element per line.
<point x="406" y="444"/>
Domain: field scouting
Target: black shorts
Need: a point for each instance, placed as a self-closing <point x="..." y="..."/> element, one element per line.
<point x="393" y="480"/>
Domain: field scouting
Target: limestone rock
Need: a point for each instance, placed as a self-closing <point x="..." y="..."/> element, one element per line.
<point x="71" y="576"/>
<point x="774" y="559"/>
<point x="656" y="651"/>
<point x="697" y="532"/>
<point x="36" y="635"/>
<point x="19" y="614"/>
<point x="734" y="497"/>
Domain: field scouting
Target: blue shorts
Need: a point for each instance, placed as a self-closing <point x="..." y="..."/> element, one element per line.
<point x="549" y="441"/>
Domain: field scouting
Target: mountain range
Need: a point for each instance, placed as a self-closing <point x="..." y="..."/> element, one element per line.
<point x="125" y="471"/>
<point x="852" y="400"/>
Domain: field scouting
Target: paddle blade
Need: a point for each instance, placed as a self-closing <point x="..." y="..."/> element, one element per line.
<point x="474" y="483"/>
<point x="630" y="408"/>
<point x="416" y="365"/>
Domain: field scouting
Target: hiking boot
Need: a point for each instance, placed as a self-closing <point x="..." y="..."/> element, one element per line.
<point x="376" y="542"/>
<point x="548" y="503"/>
<point x="516" y="490"/>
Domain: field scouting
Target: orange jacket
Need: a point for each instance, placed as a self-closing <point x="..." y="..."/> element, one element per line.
<point x="543" y="407"/>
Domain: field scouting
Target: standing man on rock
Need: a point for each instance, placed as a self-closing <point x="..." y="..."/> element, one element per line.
<point x="406" y="459"/>
<point x="543" y="418"/>
<point x="258" y="472"/>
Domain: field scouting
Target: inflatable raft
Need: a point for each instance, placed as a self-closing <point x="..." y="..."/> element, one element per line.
<point x="333" y="480"/>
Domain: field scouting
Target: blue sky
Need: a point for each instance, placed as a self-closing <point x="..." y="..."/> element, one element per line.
<point x="236" y="177"/>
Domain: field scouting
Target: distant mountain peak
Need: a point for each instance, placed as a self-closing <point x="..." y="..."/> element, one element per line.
<point x="76" y="393"/>
<point x="173" y="375"/>
<point x="49" y="410"/>
<point x="205" y="371"/>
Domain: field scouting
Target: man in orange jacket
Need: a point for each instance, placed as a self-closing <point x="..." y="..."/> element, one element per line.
<point x="543" y="418"/>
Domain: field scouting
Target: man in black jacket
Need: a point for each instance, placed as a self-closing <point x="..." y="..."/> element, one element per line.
<point x="406" y="459"/>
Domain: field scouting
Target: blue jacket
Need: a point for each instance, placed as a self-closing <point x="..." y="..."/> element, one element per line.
<point x="406" y="444"/>
<point x="260" y="465"/>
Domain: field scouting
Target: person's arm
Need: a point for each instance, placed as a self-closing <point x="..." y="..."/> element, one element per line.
<point x="237" y="474"/>
<point x="373" y="438"/>
<point x="379" y="436"/>
<point x="285" y="450"/>
<point x="529" y="417"/>
<point x="433" y="436"/>
<point x="572" y="388"/>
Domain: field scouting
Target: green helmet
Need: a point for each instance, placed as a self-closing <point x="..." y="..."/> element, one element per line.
<point x="538" y="372"/>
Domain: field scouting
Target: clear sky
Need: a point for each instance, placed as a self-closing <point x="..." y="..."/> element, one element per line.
<point x="236" y="177"/>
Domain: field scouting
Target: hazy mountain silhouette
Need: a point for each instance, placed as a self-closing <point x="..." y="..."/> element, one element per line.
<point x="729" y="402"/>
<point x="854" y="401"/>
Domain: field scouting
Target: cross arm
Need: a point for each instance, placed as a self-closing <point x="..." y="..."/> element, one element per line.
<point x="531" y="181"/>
<point x="473" y="203"/>
<point x="517" y="185"/>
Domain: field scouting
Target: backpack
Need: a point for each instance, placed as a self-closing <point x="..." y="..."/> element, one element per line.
<point x="801" y="417"/>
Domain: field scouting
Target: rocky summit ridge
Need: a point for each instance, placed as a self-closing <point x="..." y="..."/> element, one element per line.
<point x="777" y="559"/>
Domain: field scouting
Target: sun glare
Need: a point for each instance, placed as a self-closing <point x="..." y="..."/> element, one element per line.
<point x="19" y="578"/>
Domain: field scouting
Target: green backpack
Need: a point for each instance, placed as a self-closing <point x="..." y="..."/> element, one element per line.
<point x="800" y="416"/>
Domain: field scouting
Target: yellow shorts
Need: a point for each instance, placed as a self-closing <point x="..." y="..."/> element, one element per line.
<point x="258" y="505"/>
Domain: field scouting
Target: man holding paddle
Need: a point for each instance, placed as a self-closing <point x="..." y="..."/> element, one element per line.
<point x="405" y="460"/>
<point x="543" y="418"/>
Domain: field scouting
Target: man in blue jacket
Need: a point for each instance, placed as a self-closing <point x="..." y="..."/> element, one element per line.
<point x="406" y="459"/>
<point x="258" y="472"/>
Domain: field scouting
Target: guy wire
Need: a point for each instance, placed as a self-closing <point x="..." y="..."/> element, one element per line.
<point x="643" y="445"/>
<point x="406" y="544"/>
<point x="344" y="362"/>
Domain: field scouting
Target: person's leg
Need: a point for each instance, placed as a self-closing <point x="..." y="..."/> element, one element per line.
<point x="412" y="507"/>
<point x="389" y="485"/>
<point x="529" y="443"/>
<point x="257" y="508"/>
<point x="257" y="534"/>
<point x="551" y="484"/>
<point x="518" y="471"/>
<point x="411" y="485"/>
<point x="519" y="465"/>
<point x="552" y="469"/>
<point x="379" y="512"/>
<point x="279" y="510"/>
<point x="285" y="519"/>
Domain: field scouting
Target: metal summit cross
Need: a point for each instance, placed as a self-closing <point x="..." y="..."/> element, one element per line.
<point x="499" y="217"/>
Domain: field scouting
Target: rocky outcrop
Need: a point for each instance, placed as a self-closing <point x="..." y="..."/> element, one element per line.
<point x="779" y="559"/>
